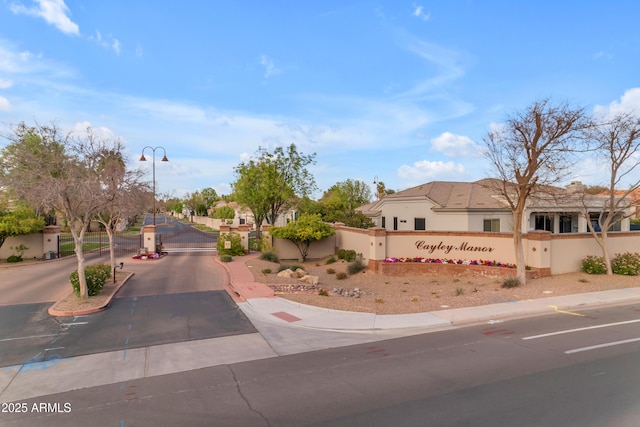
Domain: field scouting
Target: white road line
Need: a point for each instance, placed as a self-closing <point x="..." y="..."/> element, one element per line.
<point x="594" y="347"/>
<point x="568" y="331"/>
<point x="27" y="338"/>
<point x="75" y="323"/>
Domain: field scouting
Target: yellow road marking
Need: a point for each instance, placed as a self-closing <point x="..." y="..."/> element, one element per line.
<point x="555" y="308"/>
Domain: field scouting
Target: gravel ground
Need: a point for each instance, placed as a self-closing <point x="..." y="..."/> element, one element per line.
<point x="420" y="293"/>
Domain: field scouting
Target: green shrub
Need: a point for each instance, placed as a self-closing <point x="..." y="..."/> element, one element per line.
<point x="594" y="265"/>
<point x="236" y="248"/>
<point x="96" y="275"/>
<point x="14" y="258"/>
<point x="510" y="282"/>
<point x="266" y="271"/>
<point x="459" y="291"/>
<point x="341" y="276"/>
<point x="627" y="264"/>
<point x="356" y="266"/>
<point x="226" y="258"/>
<point x="330" y="260"/>
<point x="347" y="254"/>
<point x="323" y="293"/>
<point x="270" y="256"/>
<point x="331" y="271"/>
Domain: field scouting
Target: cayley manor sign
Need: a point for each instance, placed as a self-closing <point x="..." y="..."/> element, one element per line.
<point x="447" y="248"/>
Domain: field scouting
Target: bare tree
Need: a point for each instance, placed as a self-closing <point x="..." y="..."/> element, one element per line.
<point x="123" y="189"/>
<point x="618" y="144"/>
<point x="531" y="150"/>
<point x="60" y="172"/>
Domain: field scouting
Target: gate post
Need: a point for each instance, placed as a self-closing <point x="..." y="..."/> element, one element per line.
<point x="243" y="231"/>
<point x="149" y="242"/>
<point x="50" y="236"/>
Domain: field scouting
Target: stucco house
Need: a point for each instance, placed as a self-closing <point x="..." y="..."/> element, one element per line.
<point x="479" y="207"/>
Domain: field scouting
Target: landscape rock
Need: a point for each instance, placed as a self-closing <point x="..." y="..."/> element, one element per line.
<point x="312" y="280"/>
<point x="286" y="273"/>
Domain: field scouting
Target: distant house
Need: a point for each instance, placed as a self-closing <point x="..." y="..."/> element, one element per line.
<point x="634" y="196"/>
<point x="479" y="207"/>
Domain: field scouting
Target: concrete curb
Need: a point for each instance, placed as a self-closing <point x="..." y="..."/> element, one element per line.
<point x="59" y="313"/>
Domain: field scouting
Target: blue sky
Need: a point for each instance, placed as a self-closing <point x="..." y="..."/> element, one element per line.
<point x="401" y="91"/>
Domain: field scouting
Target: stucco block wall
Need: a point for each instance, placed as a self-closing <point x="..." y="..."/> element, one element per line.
<point x="567" y="251"/>
<point x="353" y="238"/>
<point x="287" y="250"/>
<point x="31" y="241"/>
<point x="462" y="245"/>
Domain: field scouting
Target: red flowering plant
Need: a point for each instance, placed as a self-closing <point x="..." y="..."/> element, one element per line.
<point x="489" y="263"/>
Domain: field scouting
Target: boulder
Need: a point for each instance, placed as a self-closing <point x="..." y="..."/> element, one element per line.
<point x="286" y="273"/>
<point x="312" y="280"/>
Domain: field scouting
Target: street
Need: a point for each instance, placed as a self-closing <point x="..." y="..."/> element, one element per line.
<point x="174" y="299"/>
<point x="565" y="369"/>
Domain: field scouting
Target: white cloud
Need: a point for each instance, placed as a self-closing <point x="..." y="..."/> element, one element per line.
<point x="602" y="55"/>
<point x="448" y="63"/>
<point x="5" y="105"/>
<point x="100" y="131"/>
<point x="109" y="43"/>
<point x="52" y="11"/>
<point x="5" y="84"/>
<point x="270" y="68"/>
<point x="455" y="145"/>
<point x="425" y="170"/>
<point x="419" y="12"/>
<point x="629" y="103"/>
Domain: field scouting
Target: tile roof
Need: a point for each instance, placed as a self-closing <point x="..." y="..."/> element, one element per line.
<point x="455" y="195"/>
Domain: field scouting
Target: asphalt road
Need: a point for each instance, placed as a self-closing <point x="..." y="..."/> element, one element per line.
<point x="177" y="298"/>
<point x="566" y="369"/>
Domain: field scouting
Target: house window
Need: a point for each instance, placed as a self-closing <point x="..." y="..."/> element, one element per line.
<point x="395" y="223"/>
<point x="384" y="222"/>
<point x="594" y="218"/>
<point x="568" y="224"/>
<point x="543" y="222"/>
<point x="242" y="221"/>
<point x="492" y="225"/>
<point x="419" y="224"/>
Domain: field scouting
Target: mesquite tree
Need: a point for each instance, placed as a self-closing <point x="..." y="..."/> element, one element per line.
<point x="617" y="139"/>
<point x="50" y="170"/>
<point x="533" y="149"/>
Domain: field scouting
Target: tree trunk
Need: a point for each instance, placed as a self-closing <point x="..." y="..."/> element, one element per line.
<point x="78" y="240"/>
<point x="112" y="249"/>
<point x="605" y="252"/>
<point x="521" y="267"/>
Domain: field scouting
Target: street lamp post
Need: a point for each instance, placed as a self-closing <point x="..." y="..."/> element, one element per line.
<point x="153" y="156"/>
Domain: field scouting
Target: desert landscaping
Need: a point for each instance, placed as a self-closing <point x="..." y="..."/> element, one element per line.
<point x="377" y="293"/>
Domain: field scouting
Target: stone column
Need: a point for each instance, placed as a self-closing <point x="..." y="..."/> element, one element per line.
<point x="50" y="235"/>
<point x="149" y="238"/>
<point x="377" y="247"/>
<point x="538" y="251"/>
<point x="243" y="231"/>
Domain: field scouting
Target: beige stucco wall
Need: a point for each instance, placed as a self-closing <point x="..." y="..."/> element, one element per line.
<point x="287" y="250"/>
<point x="463" y="246"/>
<point x="567" y="251"/>
<point x="353" y="238"/>
<point x="32" y="241"/>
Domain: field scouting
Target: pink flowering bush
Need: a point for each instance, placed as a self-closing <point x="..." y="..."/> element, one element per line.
<point x="490" y="263"/>
<point x="627" y="264"/>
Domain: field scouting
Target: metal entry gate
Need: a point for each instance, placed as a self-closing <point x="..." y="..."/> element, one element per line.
<point x="188" y="240"/>
<point x="125" y="244"/>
